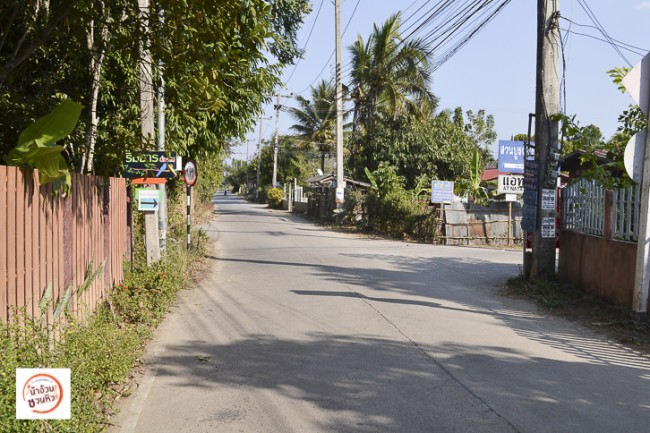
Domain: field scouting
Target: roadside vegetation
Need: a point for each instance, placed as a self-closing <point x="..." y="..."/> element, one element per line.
<point x="102" y="351"/>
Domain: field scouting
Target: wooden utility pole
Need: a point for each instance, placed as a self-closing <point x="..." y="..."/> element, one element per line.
<point x="152" y="240"/>
<point x="340" y="183"/>
<point x="546" y="136"/>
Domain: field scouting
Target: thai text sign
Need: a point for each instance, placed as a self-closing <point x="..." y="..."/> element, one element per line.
<point x="510" y="184"/>
<point x="511" y="156"/>
<point x="442" y="191"/>
<point x="149" y="164"/>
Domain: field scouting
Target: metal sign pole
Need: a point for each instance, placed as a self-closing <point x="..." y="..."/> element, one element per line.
<point x="189" y="203"/>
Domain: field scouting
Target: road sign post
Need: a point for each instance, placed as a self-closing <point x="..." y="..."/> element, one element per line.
<point x="190" y="176"/>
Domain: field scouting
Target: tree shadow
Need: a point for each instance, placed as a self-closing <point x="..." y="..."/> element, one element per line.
<point x="370" y="384"/>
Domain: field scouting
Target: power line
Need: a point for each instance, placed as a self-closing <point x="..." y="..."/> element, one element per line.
<point x="331" y="55"/>
<point x="307" y="41"/>
<point x="601" y="29"/>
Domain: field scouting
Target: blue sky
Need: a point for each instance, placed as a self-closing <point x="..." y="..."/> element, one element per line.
<point x="495" y="71"/>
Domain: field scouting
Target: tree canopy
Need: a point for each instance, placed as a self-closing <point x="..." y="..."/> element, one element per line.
<point x="220" y="62"/>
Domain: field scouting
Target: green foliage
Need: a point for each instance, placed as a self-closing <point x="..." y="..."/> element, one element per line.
<point x="610" y="174"/>
<point x="274" y="197"/>
<point x="36" y="148"/>
<point x="472" y="186"/>
<point x="221" y="61"/>
<point x="395" y="211"/>
<point x="439" y="148"/>
<point x="315" y="126"/>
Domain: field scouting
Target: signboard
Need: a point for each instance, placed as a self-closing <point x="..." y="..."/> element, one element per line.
<point x="155" y="164"/>
<point x="190" y="172"/>
<point x="442" y="191"/>
<point x="148" y="199"/>
<point x="548" y="199"/>
<point x="511" y="156"/>
<point x="548" y="227"/>
<point x="510" y="184"/>
<point x="529" y="219"/>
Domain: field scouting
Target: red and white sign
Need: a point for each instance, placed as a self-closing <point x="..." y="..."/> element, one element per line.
<point x="43" y="393"/>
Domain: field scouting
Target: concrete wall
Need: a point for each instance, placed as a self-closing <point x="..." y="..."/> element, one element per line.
<point x="600" y="265"/>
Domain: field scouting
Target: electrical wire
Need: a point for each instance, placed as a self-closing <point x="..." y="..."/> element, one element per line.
<point x="307" y="41"/>
<point x="601" y="29"/>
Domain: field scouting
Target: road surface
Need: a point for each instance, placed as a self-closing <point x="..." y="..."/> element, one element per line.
<point x="300" y="329"/>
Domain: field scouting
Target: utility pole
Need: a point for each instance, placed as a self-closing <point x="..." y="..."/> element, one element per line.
<point x="546" y="136"/>
<point x="340" y="183"/>
<point x="275" y="144"/>
<point x="152" y="239"/>
<point x="278" y="106"/>
<point x="259" y="158"/>
<point x="160" y="145"/>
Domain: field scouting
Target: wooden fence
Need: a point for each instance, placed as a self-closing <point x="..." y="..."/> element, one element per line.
<point x="52" y="244"/>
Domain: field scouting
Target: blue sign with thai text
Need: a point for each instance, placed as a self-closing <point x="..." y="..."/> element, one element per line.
<point x="442" y="191"/>
<point x="511" y="156"/>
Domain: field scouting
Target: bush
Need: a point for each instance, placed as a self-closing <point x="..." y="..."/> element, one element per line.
<point x="274" y="197"/>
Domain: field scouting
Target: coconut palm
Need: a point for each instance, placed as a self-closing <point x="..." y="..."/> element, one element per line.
<point x="390" y="76"/>
<point x="316" y="120"/>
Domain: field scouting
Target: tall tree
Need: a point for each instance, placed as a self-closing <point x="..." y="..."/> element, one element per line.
<point x="316" y="120"/>
<point x="390" y="76"/>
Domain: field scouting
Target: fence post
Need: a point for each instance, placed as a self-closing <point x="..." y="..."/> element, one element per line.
<point x="608" y="223"/>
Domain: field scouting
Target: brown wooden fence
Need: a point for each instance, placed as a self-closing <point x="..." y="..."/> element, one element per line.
<point x="51" y="243"/>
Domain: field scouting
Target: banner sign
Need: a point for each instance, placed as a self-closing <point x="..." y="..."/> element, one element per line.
<point x="442" y="191"/>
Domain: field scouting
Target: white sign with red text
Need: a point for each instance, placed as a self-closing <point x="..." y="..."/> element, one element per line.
<point x="43" y="393"/>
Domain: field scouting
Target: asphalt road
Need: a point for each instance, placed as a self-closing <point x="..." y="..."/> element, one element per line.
<point x="301" y="329"/>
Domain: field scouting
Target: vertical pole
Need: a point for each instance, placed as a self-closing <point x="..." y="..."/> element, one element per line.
<point x="152" y="239"/>
<point x="340" y="184"/>
<point x="509" y="222"/>
<point x="259" y="162"/>
<point x="642" y="271"/>
<point x="162" y="209"/>
<point x="275" y="144"/>
<point x="189" y="207"/>
<point x="546" y="130"/>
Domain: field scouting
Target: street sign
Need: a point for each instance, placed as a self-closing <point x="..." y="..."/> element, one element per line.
<point x="529" y="214"/>
<point x="148" y="199"/>
<point x="154" y="164"/>
<point x="442" y="191"/>
<point x="511" y="156"/>
<point x="190" y="173"/>
<point x="510" y="184"/>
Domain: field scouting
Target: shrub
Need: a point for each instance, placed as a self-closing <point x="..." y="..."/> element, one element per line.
<point x="274" y="197"/>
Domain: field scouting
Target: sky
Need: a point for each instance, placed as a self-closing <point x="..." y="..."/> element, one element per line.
<point x="495" y="70"/>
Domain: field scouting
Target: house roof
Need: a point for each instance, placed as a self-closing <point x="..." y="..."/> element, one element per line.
<point x="489" y="174"/>
<point x="328" y="179"/>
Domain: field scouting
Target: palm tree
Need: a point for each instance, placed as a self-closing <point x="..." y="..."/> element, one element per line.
<point x="316" y="120"/>
<point x="390" y="76"/>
